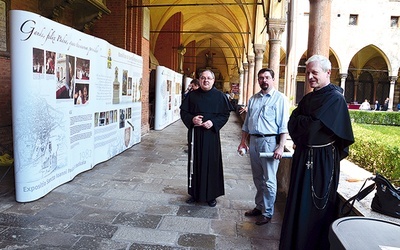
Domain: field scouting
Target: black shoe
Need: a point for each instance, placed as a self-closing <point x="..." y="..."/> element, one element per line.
<point x="263" y="220"/>
<point x="212" y="203"/>
<point x="190" y="200"/>
<point x="254" y="212"/>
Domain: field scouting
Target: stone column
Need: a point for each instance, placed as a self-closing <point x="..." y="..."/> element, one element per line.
<point x="393" y="80"/>
<point x="241" y="80"/>
<point x="275" y="29"/>
<point x="356" y="83"/>
<point x="343" y="82"/>
<point x="259" y="50"/>
<point x="250" y="89"/>
<point x="319" y="30"/>
<point x="375" y="82"/>
<point x="245" y="82"/>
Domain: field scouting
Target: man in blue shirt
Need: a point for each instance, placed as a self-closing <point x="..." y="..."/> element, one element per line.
<point x="266" y="123"/>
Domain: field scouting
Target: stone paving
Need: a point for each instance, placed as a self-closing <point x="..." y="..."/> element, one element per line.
<point x="136" y="200"/>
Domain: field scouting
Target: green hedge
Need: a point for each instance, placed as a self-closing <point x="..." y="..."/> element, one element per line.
<point x="373" y="153"/>
<point x="377" y="148"/>
<point x="376" y="117"/>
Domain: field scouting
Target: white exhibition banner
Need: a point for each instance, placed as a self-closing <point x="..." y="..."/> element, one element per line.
<point x="75" y="99"/>
<point x="168" y="97"/>
<point x="187" y="81"/>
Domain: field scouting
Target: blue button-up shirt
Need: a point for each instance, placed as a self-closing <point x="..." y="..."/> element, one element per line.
<point x="267" y="114"/>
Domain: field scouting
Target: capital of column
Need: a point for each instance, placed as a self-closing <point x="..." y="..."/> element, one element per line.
<point x="393" y="79"/>
<point x="343" y="76"/>
<point x="259" y="50"/>
<point x="250" y="59"/>
<point x="276" y="27"/>
<point x="245" y="66"/>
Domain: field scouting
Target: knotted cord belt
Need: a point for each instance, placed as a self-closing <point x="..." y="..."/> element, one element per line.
<point x="310" y="165"/>
<point x="191" y="163"/>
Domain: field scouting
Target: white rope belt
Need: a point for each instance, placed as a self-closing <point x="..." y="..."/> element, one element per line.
<point x="321" y="146"/>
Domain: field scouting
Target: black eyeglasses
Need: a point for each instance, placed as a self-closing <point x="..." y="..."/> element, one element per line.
<point x="266" y="78"/>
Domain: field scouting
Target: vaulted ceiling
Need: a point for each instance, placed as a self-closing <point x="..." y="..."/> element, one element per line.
<point x="225" y="27"/>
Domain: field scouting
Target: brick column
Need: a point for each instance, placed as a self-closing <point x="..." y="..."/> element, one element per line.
<point x="319" y="29"/>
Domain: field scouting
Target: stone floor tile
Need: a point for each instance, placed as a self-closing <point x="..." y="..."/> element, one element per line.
<point x="203" y="241"/>
<point x="185" y="224"/>
<point x="95" y="229"/>
<point x="146" y="236"/>
<point x="136" y="200"/>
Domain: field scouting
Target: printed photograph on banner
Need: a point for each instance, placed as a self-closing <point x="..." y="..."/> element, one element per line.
<point x="81" y="95"/>
<point x="65" y="76"/>
<point x="116" y="87"/>
<point x="82" y="69"/>
<point x="128" y="113"/>
<point x="178" y="88"/>
<point x="129" y="86"/>
<point x="111" y="116"/>
<point x="38" y="60"/>
<point x="124" y="82"/>
<point x="96" y="119"/>
<point x="122" y="118"/>
<point x="109" y="59"/>
<point x="136" y="88"/>
<point x="107" y="117"/>
<point x="50" y="62"/>
<point x="102" y="119"/>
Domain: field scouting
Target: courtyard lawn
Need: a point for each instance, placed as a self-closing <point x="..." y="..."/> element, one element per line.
<point x="377" y="149"/>
<point x="388" y="134"/>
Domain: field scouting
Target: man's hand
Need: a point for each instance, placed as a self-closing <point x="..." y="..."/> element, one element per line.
<point x="242" y="110"/>
<point x="278" y="152"/>
<point x="208" y="124"/>
<point x="241" y="146"/>
<point x="198" y="120"/>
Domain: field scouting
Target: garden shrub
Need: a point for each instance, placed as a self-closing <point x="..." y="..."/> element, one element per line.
<point x="375" y="151"/>
<point x="375" y="117"/>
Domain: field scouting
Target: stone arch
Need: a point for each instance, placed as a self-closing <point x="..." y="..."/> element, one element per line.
<point x="371" y="69"/>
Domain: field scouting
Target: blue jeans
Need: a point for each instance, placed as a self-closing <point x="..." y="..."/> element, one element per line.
<point x="264" y="173"/>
